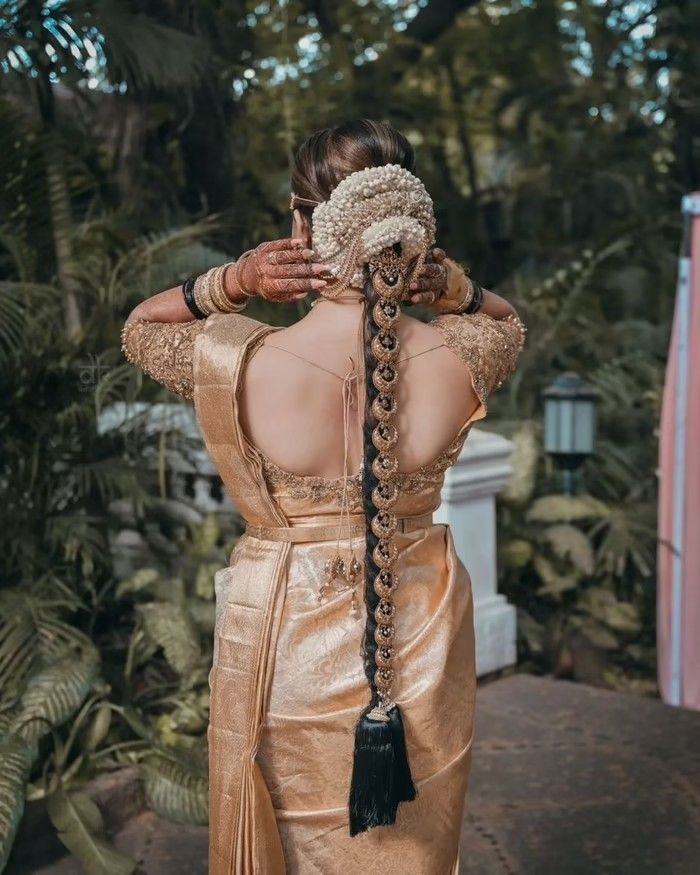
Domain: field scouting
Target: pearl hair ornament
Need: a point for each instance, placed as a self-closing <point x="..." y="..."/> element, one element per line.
<point x="367" y="212"/>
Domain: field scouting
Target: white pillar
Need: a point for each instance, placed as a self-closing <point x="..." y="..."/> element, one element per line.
<point x="469" y="507"/>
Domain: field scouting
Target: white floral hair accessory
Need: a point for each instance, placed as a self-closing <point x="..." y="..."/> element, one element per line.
<point x="368" y="211"/>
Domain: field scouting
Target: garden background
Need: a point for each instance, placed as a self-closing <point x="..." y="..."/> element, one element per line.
<point x="140" y="142"/>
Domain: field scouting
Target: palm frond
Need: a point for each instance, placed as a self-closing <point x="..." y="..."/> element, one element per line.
<point x="160" y="260"/>
<point x="114" y="386"/>
<point x="17" y="758"/>
<point x="20" y="254"/>
<point x="33" y="633"/>
<point x="145" y="53"/>
<point x="20" y="304"/>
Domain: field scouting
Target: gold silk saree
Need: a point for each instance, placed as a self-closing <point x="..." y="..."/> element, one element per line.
<point x="287" y="682"/>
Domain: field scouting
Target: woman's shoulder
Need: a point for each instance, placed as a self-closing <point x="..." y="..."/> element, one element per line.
<point x="479" y="333"/>
<point x="489" y="347"/>
<point x="232" y="328"/>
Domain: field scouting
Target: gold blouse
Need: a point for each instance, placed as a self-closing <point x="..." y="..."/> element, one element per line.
<point x="489" y="347"/>
<point x="288" y="679"/>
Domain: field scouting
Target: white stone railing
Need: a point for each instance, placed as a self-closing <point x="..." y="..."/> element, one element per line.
<point x="469" y="506"/>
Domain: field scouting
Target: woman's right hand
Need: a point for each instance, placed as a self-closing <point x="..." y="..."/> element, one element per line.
<point x="280" y="271"/>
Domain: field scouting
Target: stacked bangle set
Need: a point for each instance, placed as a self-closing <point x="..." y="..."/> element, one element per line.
<point x="206" y="294"/>
<point x="473" y="299"/>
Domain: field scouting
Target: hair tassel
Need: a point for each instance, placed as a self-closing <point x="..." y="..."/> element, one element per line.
<point x="381" y="776"/>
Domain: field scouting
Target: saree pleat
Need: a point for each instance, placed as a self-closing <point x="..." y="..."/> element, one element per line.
<point x="243" y="836"/>
<point x="287" y="683"/>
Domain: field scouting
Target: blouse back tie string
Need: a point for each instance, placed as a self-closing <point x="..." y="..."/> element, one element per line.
<point x="342" y="575"/>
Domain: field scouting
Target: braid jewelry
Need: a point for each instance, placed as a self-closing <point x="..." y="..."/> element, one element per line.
<point x="389" y="286"/>
<point x="381" y="777"/>
<point x="374" y="232"/>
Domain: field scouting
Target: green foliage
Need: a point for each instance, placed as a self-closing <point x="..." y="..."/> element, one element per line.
<point x="556" y="140"/>
<point x="53" y="695"/>
<point x="171" y="627"/>
<point x="569" y="508"/>
<point x="579" y="568"/>
<point x="17" y="758"/>
<point x="175" y="791"/>
<point x="81" y="829"/>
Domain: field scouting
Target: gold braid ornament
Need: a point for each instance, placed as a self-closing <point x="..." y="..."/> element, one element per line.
<point x="374" y="232"/>
<point x="390" y="281"/>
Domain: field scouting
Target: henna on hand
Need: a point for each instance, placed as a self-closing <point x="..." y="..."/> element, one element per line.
<point x="281" y="271"/>
<point x="431" y="283"/>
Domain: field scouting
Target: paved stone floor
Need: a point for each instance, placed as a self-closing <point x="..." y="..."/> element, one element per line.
<point x="572" y="780"/>
<point x="566" y="780"/>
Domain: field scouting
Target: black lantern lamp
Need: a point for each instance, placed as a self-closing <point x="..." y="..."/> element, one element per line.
<point x="569" y="424"/>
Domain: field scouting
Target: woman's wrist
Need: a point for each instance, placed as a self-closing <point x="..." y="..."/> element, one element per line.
<point x="238" y="281"/>
<point x="209" y="293"/>
<point x="463" y="295"/>
<point x="193" y="302"/>
<point x="458" y="288"/>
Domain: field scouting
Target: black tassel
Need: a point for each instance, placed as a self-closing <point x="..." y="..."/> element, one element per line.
<point x="381" y="775"/>
<point x="404" y="789"/>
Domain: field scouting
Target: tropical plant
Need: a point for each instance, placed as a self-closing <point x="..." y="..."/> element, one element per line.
<point x="67" y="714"/>
<point x="85" y="46"/>
<point x="95" y="671"/>
<point x="581" y="567"/>
<point x="556" y="139"/>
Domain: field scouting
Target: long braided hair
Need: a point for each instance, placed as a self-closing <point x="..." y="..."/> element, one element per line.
<point x="373" y="226"/>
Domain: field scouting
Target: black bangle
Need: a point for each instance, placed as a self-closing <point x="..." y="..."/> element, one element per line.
<point x="476" y="301"/>
<point x="188" y="295"/>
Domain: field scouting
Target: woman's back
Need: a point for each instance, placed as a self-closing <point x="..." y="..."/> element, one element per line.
<point x="308" y="747"/>
<point x="291" y="404"/>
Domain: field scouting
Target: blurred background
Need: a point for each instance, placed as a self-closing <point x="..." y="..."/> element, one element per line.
<point x="142" y="141"/>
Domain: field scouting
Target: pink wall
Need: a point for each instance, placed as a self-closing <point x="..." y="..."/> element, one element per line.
<point x="690" y="552"/>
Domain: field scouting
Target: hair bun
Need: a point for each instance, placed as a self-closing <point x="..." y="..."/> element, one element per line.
<point x="367" y="212"/>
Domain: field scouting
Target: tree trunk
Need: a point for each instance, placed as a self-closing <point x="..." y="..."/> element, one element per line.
<point x="463" y="131"/>
<point x="62" y="230"/>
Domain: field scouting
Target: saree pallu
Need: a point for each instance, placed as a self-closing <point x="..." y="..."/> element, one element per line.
<point x="287" y="684"/>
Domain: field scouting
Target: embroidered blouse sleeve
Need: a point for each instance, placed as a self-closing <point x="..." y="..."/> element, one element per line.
<point x="164" y="351"/>
<point x="489" y="347"/>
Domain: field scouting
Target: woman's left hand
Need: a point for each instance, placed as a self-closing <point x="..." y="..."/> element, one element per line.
<point x="431" y="283"/>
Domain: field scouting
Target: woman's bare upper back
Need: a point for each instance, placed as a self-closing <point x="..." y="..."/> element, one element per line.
<point x="291" y="402"/>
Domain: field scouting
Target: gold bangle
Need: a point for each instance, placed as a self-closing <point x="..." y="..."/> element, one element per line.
<point x="221" y="298"/>
<point x="239" y="288"/>
<point x="468" y="296"/>
<point x="459" y="289"/>
<point x="239" y="265"/>
<point x="218" y="294"/>
<point x="210" y="294"/>
<point x="200" y="299"/>
<point x="208" y="305"/>
<point x="256" y="266"/>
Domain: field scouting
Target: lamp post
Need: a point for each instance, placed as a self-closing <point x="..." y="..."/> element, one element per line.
<point x="569" y="424"/>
